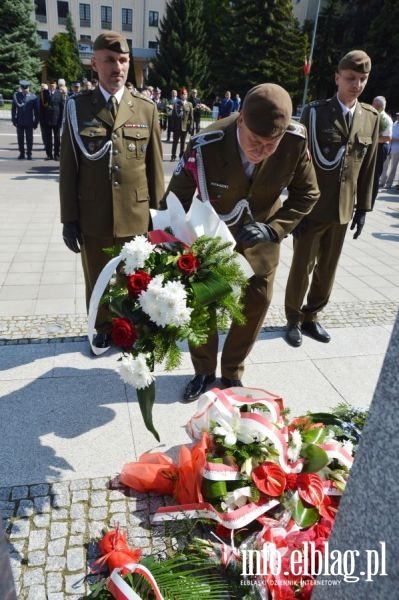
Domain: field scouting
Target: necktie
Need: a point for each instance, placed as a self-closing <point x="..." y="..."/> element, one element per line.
<point x="113" y="106"/>
<point x="348" y="119"/>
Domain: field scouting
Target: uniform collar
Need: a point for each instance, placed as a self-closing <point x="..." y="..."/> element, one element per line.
<point x="118" y="95"/>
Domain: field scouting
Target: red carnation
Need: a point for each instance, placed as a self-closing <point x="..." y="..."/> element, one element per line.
<point x="269" y="478"/>
<point x="138" y="282"/>
<point x="188" y="263"/>
<point x="123" y="333"/>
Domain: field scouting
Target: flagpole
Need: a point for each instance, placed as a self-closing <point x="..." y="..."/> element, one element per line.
<point x="305" y="91"/>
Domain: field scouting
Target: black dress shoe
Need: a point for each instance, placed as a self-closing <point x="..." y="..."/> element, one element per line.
<point x="316" y="331"/>
<point x="102" y="340"/>
<point x="197" y="386"/>
<point x="293" y="335"/>
<point x="231" y="382"/>
<point x="21" y="156"/>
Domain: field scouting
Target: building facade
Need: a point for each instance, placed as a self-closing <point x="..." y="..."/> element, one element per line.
<point x="138" y="20"/>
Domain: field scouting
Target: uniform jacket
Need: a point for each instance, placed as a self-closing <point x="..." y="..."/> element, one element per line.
<point x="349" y="185"/>
<point x="182" y="116"/>
<point x="24" y="110"/>
<point x="112" y="195"/>
<point x="289" y="167"/>
<point x="51" y="108"/>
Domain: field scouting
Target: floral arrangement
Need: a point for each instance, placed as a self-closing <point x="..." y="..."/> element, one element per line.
<point x="261" y="477"/>
<point x="165" y="292"/>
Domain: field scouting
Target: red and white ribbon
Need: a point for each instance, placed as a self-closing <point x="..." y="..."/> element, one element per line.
<point x="241" y="517"/>
<point x="120" y="590"/>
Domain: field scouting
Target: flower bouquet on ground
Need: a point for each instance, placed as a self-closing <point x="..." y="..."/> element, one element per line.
<point x="267" y="481"/>
<point x="166" y="291"/>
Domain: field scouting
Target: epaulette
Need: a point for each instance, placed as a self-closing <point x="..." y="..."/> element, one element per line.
<point x="142" y="96"/>
<point x="316" y="103"/>
<point x="369" y="107"/>
<point x="297" y="129"/>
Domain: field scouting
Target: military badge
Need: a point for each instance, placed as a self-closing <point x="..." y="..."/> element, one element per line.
<point x="143" y="147"/>
<point x="131" y="147"/>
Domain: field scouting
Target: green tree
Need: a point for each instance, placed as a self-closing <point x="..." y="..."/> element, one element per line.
<point x="265" y="44"/>
<point x="181" y="59"/>
<point x="19" y="45"/>
<point x="64" y="60"/>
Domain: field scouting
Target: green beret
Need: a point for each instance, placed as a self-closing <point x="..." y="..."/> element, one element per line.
<point x="356" y="60"/>
<point x="111" y="40"/>
<point x="267" y="110"/>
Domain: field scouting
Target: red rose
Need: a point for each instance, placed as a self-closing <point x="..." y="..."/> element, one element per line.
<point x="188" y="263"/>
<point x="138" y="282"/>
<point x="269" y="478"/>
<point x="123" y="333"/>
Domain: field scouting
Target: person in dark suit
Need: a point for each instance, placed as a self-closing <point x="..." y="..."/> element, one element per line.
<point x="25" y="117"/>
<point x="51" y="110"/>
<point x="182" y="122"/>
<point x="242" y="164"/>
<point x="343" y="136"/>
<point x="197" y="104"/>
<point x="111" y="170"/>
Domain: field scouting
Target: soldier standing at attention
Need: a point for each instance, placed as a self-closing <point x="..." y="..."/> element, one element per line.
<point x="182" y="122"/>
<point x="241" y="165"/>
<point x="25" y="117"/>
<point x="343" y="136"/>
<point x="111" y="170"/>
<point x="51" y="110"/>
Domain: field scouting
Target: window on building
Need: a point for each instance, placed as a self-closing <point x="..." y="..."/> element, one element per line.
<point x="41" y="11"/>
<point x="62" y="9"/>
<point x="106" y="17"/>
<point x="153" y="45"/>
<point x="127" y="19"/>
<point x="84" y="15"/>
<point x="43" y="35"/>
<point x="153" y="18"/>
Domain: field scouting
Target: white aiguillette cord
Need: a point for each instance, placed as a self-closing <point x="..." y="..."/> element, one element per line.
<point x="98" y="291"/>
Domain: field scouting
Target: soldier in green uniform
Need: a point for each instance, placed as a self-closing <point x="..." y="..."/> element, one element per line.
<point x="343" y="136"/>
<point x="111" y="170"/>
<point x="241" y="164"/>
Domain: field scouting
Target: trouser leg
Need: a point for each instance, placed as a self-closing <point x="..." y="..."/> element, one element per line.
<point x="204" y="358"/>
<point x="94" y="260"/>
<point x="176" y="136"/>
<point x="393" y="166"/>
<point x="56" y="134"/>
<point x="241" y="339"/>
<point x="183" y="136"/>
<point x="46" y="134"/>
<point x="323" y="278"/>
<point x="21" y="140"/>
<point x="305" y="251"/>
<point x="29" y="140"/>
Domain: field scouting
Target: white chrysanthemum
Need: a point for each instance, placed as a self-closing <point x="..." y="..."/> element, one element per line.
<point x="165" y="304"/>
<point x="236" y="498"/>
<point x="135" y="371"/>
<point x="135" y="253"/>
<point x="347" y="444"/>
<point x="294" y="445"/>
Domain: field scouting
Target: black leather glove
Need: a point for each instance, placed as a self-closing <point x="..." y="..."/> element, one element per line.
<point x="255" y="232"/>
<point x="72" y="236"/>
<point x="300" y="228"/>
<point x="358" y="221"/>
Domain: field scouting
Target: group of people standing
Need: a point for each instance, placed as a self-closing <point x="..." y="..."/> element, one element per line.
<point x="112" y="174"/>
<point x="45" y="109"/>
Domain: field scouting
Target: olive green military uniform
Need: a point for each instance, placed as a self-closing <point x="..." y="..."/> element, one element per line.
<point x="110" y="197"/>
<point x="182" y="123"/>
<point x="345" y="185"/>
<point x="227" y="183"/>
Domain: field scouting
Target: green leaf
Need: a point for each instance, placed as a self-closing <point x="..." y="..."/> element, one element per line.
<point x="315" y="458"/>
<point x="211" y="289"/>
<point x="146" y="398"/>
<point x="315" y="435"/>
<point x="303" y="516"/>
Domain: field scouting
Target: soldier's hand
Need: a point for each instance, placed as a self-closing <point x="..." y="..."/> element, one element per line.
<point x="72" y="236"/>
<point x="358" y="221"/>
<point x="300" y="228"/>
<point x="253" y="233"/>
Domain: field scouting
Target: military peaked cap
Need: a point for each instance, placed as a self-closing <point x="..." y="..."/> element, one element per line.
<point x="112" y="40"/>
<point x="356" y="60"/>
<point x="267" y="110"/>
